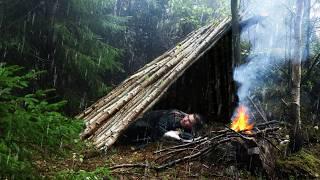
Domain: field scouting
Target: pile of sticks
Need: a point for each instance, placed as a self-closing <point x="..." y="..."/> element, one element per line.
<point x="112" y="114"/>
<point x="207" y="144"/>
<point x="203" y="146"/>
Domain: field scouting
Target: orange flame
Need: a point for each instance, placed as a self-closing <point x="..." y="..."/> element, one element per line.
<point x="241" y="121"/>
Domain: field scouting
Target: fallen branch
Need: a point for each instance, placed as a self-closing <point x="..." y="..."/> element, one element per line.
<point x="203" y="146"/>
<point x="258" y="110"/>
<point x="208" y="143"/>
<point x="138" y="165"/>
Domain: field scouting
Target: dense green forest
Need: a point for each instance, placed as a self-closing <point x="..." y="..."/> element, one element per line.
<point x="87" y="47"/>
<point x="58" y="57"/>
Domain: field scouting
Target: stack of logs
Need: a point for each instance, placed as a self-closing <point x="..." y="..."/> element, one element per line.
<point x="112" y="114"/>
<point x="259" y="142"/>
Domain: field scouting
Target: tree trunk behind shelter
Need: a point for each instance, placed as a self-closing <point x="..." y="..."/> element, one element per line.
<point x="295" y="118"/>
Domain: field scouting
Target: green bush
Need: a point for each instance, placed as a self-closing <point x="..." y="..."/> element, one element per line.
<point x="29" y="124"/>
<point x="98" y="173"/>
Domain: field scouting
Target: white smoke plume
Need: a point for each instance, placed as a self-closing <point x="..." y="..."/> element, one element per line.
<point x="269" y="40"/>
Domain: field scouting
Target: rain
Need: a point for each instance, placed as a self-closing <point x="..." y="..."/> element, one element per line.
<point x="159" y="89"/>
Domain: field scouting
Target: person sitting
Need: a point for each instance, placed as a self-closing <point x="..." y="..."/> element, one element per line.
<point x="173" y="124"/>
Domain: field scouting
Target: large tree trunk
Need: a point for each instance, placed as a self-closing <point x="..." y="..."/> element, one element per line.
<point x="296" y="135"/>
<point x="235" y="32"/>
<point x="307" y="30"/>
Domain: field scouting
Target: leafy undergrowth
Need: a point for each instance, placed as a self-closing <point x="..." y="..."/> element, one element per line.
<point x="30" y="126"/>
<point x="98" y="173"/>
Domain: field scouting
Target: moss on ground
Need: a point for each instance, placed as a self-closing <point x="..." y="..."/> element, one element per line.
<point x="302" y="164"/>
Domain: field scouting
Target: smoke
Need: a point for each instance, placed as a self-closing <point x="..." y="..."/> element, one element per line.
<point x="269" y="40"/>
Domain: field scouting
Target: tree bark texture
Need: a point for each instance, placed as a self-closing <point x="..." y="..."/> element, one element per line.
<point x="296" y="79"/>
<point x="307" y="30"/>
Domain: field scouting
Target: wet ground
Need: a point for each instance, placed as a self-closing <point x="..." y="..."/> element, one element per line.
<point x="89" y="160"/>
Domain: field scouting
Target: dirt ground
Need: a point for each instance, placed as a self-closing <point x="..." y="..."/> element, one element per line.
<point x="89" y="160"/>
<point x="188" y="170"/>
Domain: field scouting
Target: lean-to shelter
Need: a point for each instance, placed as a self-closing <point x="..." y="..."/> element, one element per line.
<point x="194" y="76"/>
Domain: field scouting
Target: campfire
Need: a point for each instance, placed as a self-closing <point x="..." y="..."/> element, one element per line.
<point x="240" y="122"/>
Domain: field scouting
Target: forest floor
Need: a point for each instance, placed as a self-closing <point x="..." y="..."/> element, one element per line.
<point x="124" y="154"/>
<point x="88" y="160"/>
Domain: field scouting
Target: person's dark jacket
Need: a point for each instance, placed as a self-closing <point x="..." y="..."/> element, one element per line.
<point x="154" y="124"/>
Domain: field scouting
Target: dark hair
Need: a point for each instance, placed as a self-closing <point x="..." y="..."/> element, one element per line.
<point x="199" y="121"/>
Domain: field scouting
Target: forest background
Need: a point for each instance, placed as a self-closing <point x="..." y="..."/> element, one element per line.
<point x="57" y="57"/>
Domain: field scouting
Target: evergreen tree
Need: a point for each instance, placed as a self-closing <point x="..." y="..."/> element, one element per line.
<point x="68" y="39"/>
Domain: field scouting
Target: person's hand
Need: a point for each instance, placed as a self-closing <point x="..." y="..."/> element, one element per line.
<point x="172" y="134"/>
<point x="186" y="140"/>
<point x="191" y="140"/>
<point x="176" y="135"/>
<point x="198" y="138"/>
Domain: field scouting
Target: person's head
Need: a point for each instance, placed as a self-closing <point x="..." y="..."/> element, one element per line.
<point x="191" y="121"/>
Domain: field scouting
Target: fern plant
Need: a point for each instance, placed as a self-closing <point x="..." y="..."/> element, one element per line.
<point x="29" y="124"/>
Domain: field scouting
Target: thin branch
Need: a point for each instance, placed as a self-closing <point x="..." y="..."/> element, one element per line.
<point x="272" y="143"/>
<point x="284" y="102"/>
<point x="241" y="135"/>
<point x="181" y="145"/>
<point x="258" y="109"/>
<point x="267" y="123"/>
<point x="138" y="165"/>
<point x="175" y="151"/>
